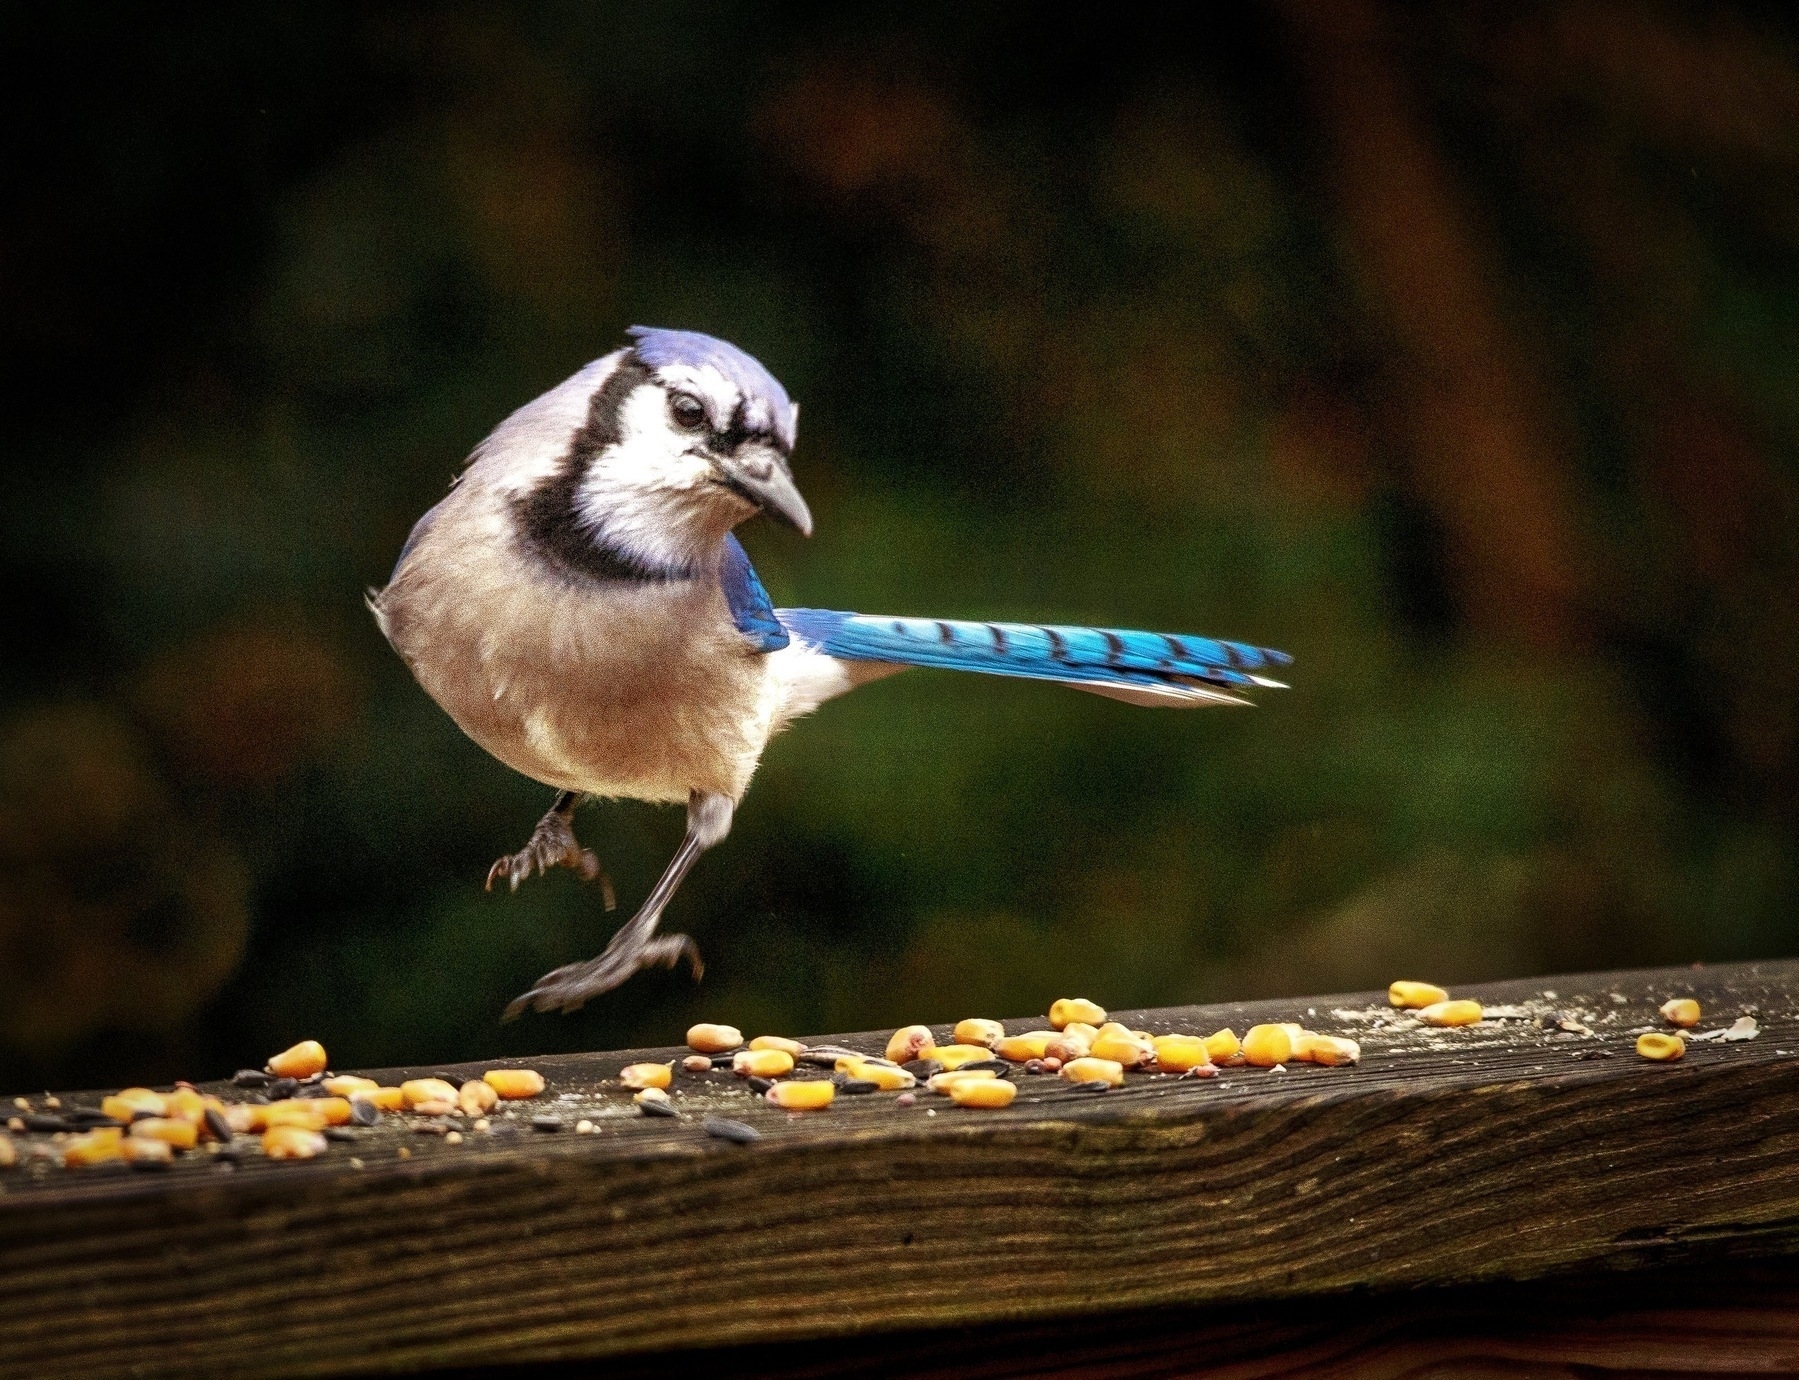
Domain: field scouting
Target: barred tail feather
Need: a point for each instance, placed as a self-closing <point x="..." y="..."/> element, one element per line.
<point x="1156" y="669"/>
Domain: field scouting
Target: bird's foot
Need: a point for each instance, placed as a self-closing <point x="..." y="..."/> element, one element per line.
<point x="570" y="986"/>
<point x="553" y="844"/>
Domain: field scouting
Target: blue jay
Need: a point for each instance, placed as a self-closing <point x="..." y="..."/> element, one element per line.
<point x="579" y="606"/>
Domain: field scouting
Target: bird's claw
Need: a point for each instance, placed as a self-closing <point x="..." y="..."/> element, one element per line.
<point x="571" y="986"/>
<point x="553" y="844"/>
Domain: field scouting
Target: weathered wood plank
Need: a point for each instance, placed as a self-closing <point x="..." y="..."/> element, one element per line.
<point x="1495" y="1153"/>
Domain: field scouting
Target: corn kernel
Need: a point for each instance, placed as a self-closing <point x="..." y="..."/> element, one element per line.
<point x="1122" y="1047"/>
<point x="247" y="1116"/>
<point x="1066" y="1047"/>
<point x="348" y="1085"/>
<point x="649" y="1094"/>
<point x="1451" y="1013"/>
<point x="292" y="1143"/>
<point x="93" y="1147"/>
<point x="1661" y="1046"/>
<point x="476" y="1097"/>
<point x="658" y="1075"/>
<point x="9" y="1153"/>
<point x="175" y="1131"/>
<point x="911" y="1042"/>
<point x="122" y="1106"/>
<point x="1030" y="1045"/>
<point x="296" y="1111"/>
<point x="1331" y="1050"/>
<point x="983" y="1092"/>
<point x="780" y="1042"/>
<point x="713" y="1039"/>
<point x="185" y="1103"/>
<point x="1223" y="1046"/>
<point x="417" y="1090"/>
<point x="1267" y="1045"/>
<point x="1066" y="1009"/>
<point x="1405" y="994"/>
<point x="514" y="1084"/>
<point x="943" y="1082"/>
<point x="146" y="1150"/>
<point x="761" y="1063"/>
<point x="1178" y="1053"/>
<point x="883" y="1076"/>
<point x="1094" y="1071"/>
<point x="813" y="1095"/>
<point x="977" y="1030"/>
<point x="1681" y="1011"/>
<point x="697" y="1063"/>
<point x="436" y="1107"/>
<point x="386" y="1099"/>
<point x="302" y="1061"/>
<point x="954" y="1056"/>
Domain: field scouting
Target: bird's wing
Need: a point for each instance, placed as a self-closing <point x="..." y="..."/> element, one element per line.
<point x="1140" y="667"/>
<point x="751" y="612"/>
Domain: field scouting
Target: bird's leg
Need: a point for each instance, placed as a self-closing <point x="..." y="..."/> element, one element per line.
<point x="637" y="945"/>
<point x="553" y="844"/>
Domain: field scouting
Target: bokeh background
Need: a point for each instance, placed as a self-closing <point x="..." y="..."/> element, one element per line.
<point x="1453" y="348"/>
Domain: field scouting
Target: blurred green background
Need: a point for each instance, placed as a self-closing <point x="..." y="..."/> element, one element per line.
<point x="1453" y="348"/>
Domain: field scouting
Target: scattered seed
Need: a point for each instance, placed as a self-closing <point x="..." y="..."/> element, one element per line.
<point x="977" y="1030"/>
<point x="759" y="1085"/>
<point x="251" y="1078"/>
<point x="1066" y="1009"/>
<point x="658" y="1107"/>
<point x="1332" y="1050"/>
<point x="857" y="1087"/>
<point x="1031" y="1045"/>
<point x="1179" y="1053"/>
<point x="910" y="1042"/>
<point x="22" y="1104"/>
<point x="922" y="1069"/>
<point x="1264" y="1046"/>
<point x="1681" y="1011"/>
<point x="943" y="1082"/>
<point x="292" y="1143"/>
<point x="122" y="1104"/>
<point x="1001" y="1067"/>
<point x="583" y="1127"/>
<point x="1033" y="1066"/>
<point x="340" y="1133"/>
<point x="42" y="1122"/>
<point x="1201" y="1071"/>
<point x="1094" y="1085"/>
<point x="282" y="1088"/>
<point x="713" y="1039"/>
<point x="514" y="1084"/>
<point x="1411" y="995"/>
<point x="726" y="1129"/>
<point x="1451" y="1013"/>
<point x="172" y="1131"/>
<point x="307" y="1057"/>
<point x="905" y="1099"/>
<point x="983" y="1092"/>
<point x="697" y="1063"/>
<point x="418" y="1091"/>
<point x="789" y="1047"/>
<point x="762" y="1063"/>
<point x="1661" y="1046"/>
<point x="722" y="1061"/>
<point x="348" y="1085"/>
<point x="1119" y="1045"/>
<point x="1223" y="1045"/>
<point x="883" y="1075"/>
<point x="652" y="1075"/>
<point x="9" y="1152"/>
<point x="546" y="1123"/>
<point x="363" y="1112"/>
<point x="812" y="1095"/>
<point x="142" y="1153"/>
<point x="1084" y="1071"/>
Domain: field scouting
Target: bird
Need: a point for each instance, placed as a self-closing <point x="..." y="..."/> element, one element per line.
<point x="580" y="606"/>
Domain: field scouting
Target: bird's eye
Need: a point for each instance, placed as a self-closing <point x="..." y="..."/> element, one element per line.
<point x="688" y="413"/>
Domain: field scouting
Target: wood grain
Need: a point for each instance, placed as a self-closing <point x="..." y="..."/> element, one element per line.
<point x="1495" y="1153"/>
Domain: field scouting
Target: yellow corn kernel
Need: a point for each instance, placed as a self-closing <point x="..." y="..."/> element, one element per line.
<point x="697" y="1063"/>
<point x="1405" y="994"/>
<point x="146" y="1150"/>
<point x="1178" y="1053"/>
<point x="417" y="1090"/>
<point x="1122" y="1047"/>
<point x="348" y="1085"/>
<point x="780" y="1042"/>
<point x="1267" y="1045"/>
<point x="983" y="1092"/>
<point x="977" y="1030"/>
<point x="883" y="1076"/>
<point x="436" y="1107"/>
<point x="386" y="1099"/>
<point x="656" y="1075"/>
<point x="911" y="1042"/>
<point x="713" y="1039"/>
<point x="1066" y="1009"/>
<point x="1094" y="1071"/>
<point x="813" y="1095"/>
<point x="476" y="1097"/>
<point x="514" y="1084"/>
<point x="1066" y="1047"/>
<point x="651" y="1094"/>
<point x="1451" y="1013"/>
<point x="247" y="1116"/>
<point x="1223" y="1046"/>
<point x="122" y="1106"/>
<point x="1681" y="1011"/>
<point x="1030" y="1045"/>
<point x="954" y="1056"/>
<point x="302" y="1061"/>
<point x="761" y="1063"/>
<point x="185" y="1103"/>
<point x="292" y="1143"/>
<point x="1661" y="1046"/>
<point x="1089" y="1033"/>
<point x="943" y="1082"/>
<point x="93" y="1147"/>
<point x="296" y="1111"/>
<point x="1332" y="1050"/>
<point x="9" y="1153"/>
<point x="175" y="1131"/>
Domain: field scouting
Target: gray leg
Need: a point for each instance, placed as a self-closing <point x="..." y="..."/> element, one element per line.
<point x="553" y="844"/>
<point x="636" y="945"/>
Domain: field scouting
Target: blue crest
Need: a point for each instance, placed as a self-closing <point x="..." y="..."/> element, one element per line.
<point x="766" y="403"/>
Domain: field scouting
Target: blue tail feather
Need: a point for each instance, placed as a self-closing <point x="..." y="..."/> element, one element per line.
<point x="1098" y="656"/>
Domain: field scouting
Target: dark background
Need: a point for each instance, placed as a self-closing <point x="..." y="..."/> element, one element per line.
<point x="1451" y="347"/>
